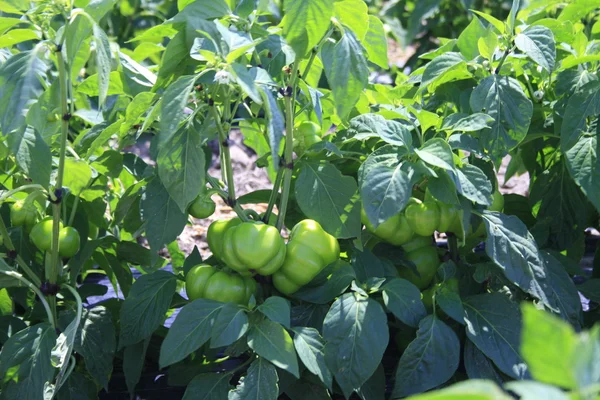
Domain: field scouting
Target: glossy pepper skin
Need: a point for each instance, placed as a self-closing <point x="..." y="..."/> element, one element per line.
<point x="23" y="214"/>
<point x="202" y="207"/>
<point x="253" y="247"/>
<point x="427" y="262"/>
<point x="207" y="282"/>
<point x="216" y="235"/>
<point x="309" y="250"/>
<point x="395" y="230"/>
<point x="68" y="242"/>
<point x="423" y="217"/>
<point x="41" y="234"/>
<point x="68" y="238"/>
<point x="305" y="135"/>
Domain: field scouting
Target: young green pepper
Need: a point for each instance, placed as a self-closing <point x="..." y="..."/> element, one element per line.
<point x="23" y="213"/>
<point x="423" y="217"/>
<point x="207" y="282"/>
<point x="216" y="235"/>
<point x="309" y="250"/>
<point x="395" y="230"/>
<point x="253" y="246"/>
<point x="202" y="207"/>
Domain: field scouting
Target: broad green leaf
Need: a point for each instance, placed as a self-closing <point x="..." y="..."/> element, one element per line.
<point x="332" y="281"/>
<point x="499" y="25"/>
<point x="467" y="40"/>
<point x="503" y="99"/>
<point x="437" y="153"/>
<point x="7" y="23"/>
<point x="90" y="85"/>
<point x="20" y="83"/>
<point x="230" y="325"/>
<point x="423" y="10"/>
<point x="275" y="123"/>
<point x="577" y="9"/>
<point x="510" y="245"/>
<point x="144" y="309"/>
<point x="134" y="357"/>
<point x="473" y="389"/>
<point x="386" y="183"/>
<point x="466" y="123"/>
<point x="16" y="36"/>
<point x="374" y="125"/>
<point x="445" y="68"/>
<point x="375" y="43"/>
<point x="583" y="164"/>
<point x="208" y="387"/>
<point x="450" y="302"/>
<point x="353" y="14"/>
<point x="478" y="366"/>
<point x="473" y="184"/>
<point x="173" y="104"/>
<point x="562" y="292"/>
<point x="590" y="289"/>
<point x="277" y="309"/>
<point x="330" y="198"/>
<point x="204" y="9"/>
<point x="181" y="166"/>
<point x="403" y="299"/>
<point x="6" y="303"/>
<point x="538" y="43"/>
<point x="367" y="265"/>
<point x="356" y="335"/>
<point x="259" y="383"/>
<point x="529" y="390"/>
<point x="443" y="188"/>
<point x="347" y="71"/>
<point x="493" y="324"/>
<point x="246" y="82"/>
<point x="571" y="81"/>
<point x="429" y="360"/>
<point x="488" y="44"/>
<point x="272" y="342"/>
<point x="512" y="15"/>
<point x="32" y="153"/>
<point x="77" y="387"/>
<point x="311" y="349"/>
<point x="548" y="347"/>
<point x="78" y="175"/>
<point x="582" y="105"/>
<point x="25" y="362"/>
<point x="98" y="8"/>
<point x="305" y="22"/>
<point x="190" y="330"/>
<point x="103" y="62"/>
<point x="163" y="217"/>
<point x="586" y="368"/>
<point x="96" y="327"/>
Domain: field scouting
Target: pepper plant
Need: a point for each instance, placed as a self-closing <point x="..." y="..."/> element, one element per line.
<point x="358" y="299"/>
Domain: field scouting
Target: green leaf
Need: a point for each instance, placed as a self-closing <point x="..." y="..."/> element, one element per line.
<point x="259" y="383"/>
<point x="529" y="390"/>
<point x="103" y="62"/>
<point x="96" y="327"/>
<point x="538" y="43"/>
<point x="437" y="153"/>
<point x="203" y="9"/>
<point x="190" y="330"/>
<point x="25" y="362"/>
<point x="429" y="360"/>
<point x="32" y="153"/>
<point x="590" y="289"/>
<point x="548" y="347"/>
<point x="230" y="325"/>
<point x="7" y="23"/>
<point x="562" y="292"/>
<point x="330" y="198"/>
<point x="468" y="390"/>
<point x="275" y="123"/>
<point x="386" y="183"/>
<point x="272" y="342"/>
<point x="311" y="349"/>
<point x="163" y="217"/>
<point x="466" y="123"/>
<point x="582" y="161"/>
<point x="445" y="68"/>
<point x="181" y="166"/>
<point x="173" y="104"/>
<point x="577" y="9"/>
<point x="467" y="40"/>
<point x="499" y="25"/>
<point x="144" y="309"/>
<point x="246" y="82"/>
<point x="478" y="366"/>
<point x="78" y="387"/>
<point x="510" y="245"/>
<point x="493" y="324"/>
<point x="133" y="363"/>
<point x="208" y="387"/>
<point x="332" y="281"/>
<point x="503" y="99"/>
<point x="354" y="14"/>
<point x="403" y="299"/>
<point x="356" y="335"/>
<point x="16" y="36"/>
<point x="305" y="22"/>
<point x="366" y="126"/>
<point x="423" y="10"/>
<point x="20" y="83"/>
<point x="450" y="302"/>
<point x="375" y="43"/>
<point x="277" y="309"/>
<point x="78" y="175"/>
<point x="472" y="183"/>
<point x="347" y="71"/>
<point x="512" y="15"/>
<point x="443" y="188"/>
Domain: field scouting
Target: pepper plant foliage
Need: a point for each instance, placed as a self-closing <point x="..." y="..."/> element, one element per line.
<point x="73" y="99"/>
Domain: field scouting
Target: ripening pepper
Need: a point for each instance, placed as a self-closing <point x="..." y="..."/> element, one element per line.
<point x="216" y="235"/>
<point x="207" y="282"/>
<point x="309" y="250"/>
<point x="395" y="230"/>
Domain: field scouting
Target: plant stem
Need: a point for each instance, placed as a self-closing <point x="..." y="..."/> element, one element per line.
<point x="225" y="196"/>
<point x="59" y="378"/>
<point x="502" y="60"/>
<point x="224" y="148"/>
<point x="315" y="51"/>
<point x="10" y="246"/>
<point x="453" y="246"/>
<point x="274" y="195"/>
<point x="37" y="291"/>
<point x="290" y="101"/>
<point x="20" y="189"/>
